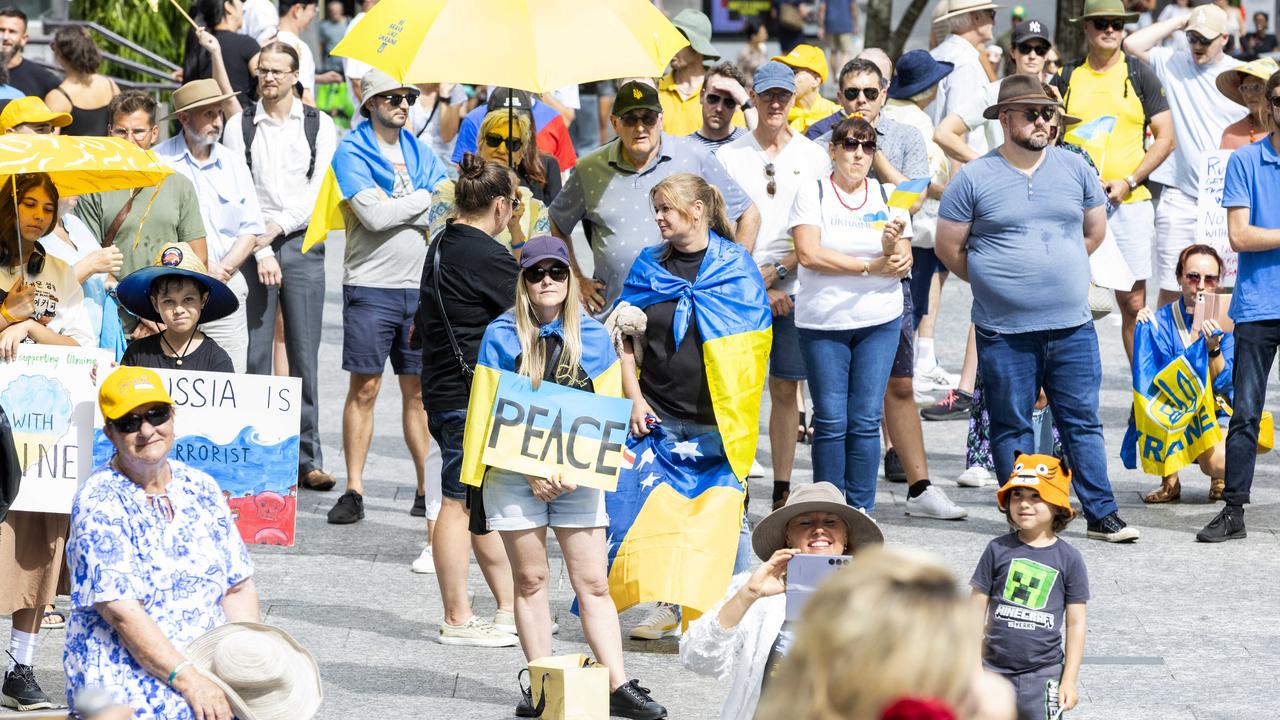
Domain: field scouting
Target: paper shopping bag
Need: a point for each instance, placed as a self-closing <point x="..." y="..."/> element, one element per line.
<point x="569" y="687"/>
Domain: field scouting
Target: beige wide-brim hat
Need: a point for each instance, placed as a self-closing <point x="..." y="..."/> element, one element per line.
<point x="960" y="7"/>
<point x="1229" y="81"/>
<point x="264" y="672"/>
<point x="197" y="93"/>
<point x="770" y="535"/>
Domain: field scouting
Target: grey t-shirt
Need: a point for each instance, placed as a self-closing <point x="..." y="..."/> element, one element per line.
<point x="1029" y="590"/>
<point x="386" y="238"/>
<point x="1028" y="267"/>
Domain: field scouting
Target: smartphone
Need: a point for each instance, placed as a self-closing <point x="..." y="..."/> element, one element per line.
<point x="1213" y="306"/>
<point x="804" y="574"/>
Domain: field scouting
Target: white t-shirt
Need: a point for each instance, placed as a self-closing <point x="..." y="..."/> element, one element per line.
<point x="567" y="96"/>
<point x="429" y="132"/>
<point x="57" y="293"/>
<point x="847" y="224"/>
<point x="964" y="82"/>
<point x="971" y="113"/>
<point x="306" y="60"/>
<point x="800" y="163"/>
<point x="261" y="18"/>
<point x="1200" y="112"/>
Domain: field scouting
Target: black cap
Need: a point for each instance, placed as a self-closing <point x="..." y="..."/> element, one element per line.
<point x="1030" y="29"/>
<point x="520" y="99"/>
<point x="636" y="96"/>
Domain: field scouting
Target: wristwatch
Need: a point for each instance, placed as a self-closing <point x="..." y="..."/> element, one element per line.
<point x="1132" y="181"/>
<point x="745" y="106"/>
<point x="781" y="270"/>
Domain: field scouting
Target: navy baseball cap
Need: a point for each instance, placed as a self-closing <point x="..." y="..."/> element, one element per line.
<point x="774" y="75"/>
<point x="543" y="247"/>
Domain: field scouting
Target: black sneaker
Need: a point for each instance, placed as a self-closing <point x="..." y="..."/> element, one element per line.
<point x="1112" y="529"/>
<point x="893" y="470"/>
<point x="955" y="406"/>
<point x="1228" y="524"/>
<point x="348" y="509"/>
<point x="22" y="692"/>
<point x="632" y="701"/>
<point x="419" y="508"/>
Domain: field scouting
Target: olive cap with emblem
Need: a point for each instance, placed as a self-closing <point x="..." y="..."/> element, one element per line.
<point x="1019" y="90"/>
<point x="1106" y="8"/>
<point x="636" y="95"/>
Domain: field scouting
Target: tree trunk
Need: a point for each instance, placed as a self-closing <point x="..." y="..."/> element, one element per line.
<point x="905" y="26"/>
<point x="1070" y="36"/>
<point x="879" y="23"/>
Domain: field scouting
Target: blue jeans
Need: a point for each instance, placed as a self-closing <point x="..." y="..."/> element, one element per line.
<point x="1256" y="344"/>
<point x="850" y="374"/>
<point x="1066" y="364"/>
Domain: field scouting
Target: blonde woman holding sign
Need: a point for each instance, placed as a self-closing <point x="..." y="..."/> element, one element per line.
<point x="540" y="341"/>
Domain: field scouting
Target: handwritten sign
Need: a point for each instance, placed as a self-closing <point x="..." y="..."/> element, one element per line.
<point x="242" y="430"/>
<point x="50" y="394"/>
<point x="1211" y="217"/>
<point x="556" y="429"/>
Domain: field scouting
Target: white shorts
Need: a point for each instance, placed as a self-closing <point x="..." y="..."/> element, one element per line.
<point x="1175" y="231"/>
<point x="1133" y="227"/>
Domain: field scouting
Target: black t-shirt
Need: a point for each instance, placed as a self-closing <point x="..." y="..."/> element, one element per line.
<point x="149" y="352"/>
<point x="477" y="284"/>
<point x="674" y="382"/>
<point x="237" y="51"/>
<point x="32" y="79"/>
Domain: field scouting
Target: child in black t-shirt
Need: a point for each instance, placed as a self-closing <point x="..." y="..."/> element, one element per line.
<point x="1027" y="583"/>
<point x="177" y="293"/>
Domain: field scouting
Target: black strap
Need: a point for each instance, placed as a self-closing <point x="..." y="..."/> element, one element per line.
<point x="434" y="107"/>
<point x="310" y="129"/>
<point x="467" y="370"/>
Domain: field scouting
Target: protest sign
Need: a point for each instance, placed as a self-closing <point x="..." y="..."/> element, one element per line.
<point x="556" y="429"/>
<point x="1211" y="217"/>
<point x="242" y="430"/>
<point x="49" y="394"/>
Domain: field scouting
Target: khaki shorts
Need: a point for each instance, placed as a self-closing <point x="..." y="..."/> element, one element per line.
<point x="839" y="41"/>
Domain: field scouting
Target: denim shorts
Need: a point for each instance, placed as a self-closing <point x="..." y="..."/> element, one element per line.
<point x="509" y="504"/>
<point x="786" y="362"/>
<point x="446" y="429"/>
<point x="375" y="326"/>
<point x="904" y="361"/>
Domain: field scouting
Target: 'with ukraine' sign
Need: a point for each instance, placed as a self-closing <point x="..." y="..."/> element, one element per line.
<point x="556" y="429"/>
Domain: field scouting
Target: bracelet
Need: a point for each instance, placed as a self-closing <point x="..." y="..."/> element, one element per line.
<point x="1215" y="352"/>
<point x="4" y="312"/>
<point x="174" y="672"/>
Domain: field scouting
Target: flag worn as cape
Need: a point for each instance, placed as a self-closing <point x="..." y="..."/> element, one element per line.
<point x="728" y="299"/>
<point x="1173" y="407"/>
<point x="499" y="351"/>
<point x="673" y="523"/>
<point x="358" y="165"/>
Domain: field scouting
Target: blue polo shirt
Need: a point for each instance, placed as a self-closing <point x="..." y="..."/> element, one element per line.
<point x="1253" y="181"/>
<point x="1028" y="267"/>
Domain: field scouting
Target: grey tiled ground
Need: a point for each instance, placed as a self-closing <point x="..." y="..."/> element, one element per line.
<point x="1176" y="630"/>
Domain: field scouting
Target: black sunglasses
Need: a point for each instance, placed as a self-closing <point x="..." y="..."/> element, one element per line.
<point x="1047" y="114"/>
<point x="535" y="274"/>
<point x="1196" y="38"/>
<point x="851" y="93"/>
<point x="494" y="140"/>
<point x="394" y="99"/>
<point x="132" y="422"/>
<point x="1027" y="48"/>
<point x="648" y="118"/>
<point x="1209" y="280"/>
<point x="1105" y="24"/>
<point x="725" y="100"/>
<point x="849" y="144"/>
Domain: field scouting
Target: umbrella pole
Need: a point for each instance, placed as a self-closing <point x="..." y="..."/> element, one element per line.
<point x="511" y="160"/>
<point x="17" y="227"/>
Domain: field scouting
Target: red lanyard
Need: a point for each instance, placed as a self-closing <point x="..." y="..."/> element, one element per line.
<point x="836" y="190"/>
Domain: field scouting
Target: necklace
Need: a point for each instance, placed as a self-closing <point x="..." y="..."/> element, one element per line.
<point x="177" y="356"/>
<point x="836" y="190"/>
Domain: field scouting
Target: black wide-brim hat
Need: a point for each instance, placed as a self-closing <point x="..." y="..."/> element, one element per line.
<point x="134" y="291"/>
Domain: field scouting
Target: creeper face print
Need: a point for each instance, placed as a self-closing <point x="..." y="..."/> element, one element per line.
<point x="1029" y="583"/>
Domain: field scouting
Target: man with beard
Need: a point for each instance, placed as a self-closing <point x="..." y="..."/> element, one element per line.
<point x="30" y="78"/>
<point x="1018" y="224"/>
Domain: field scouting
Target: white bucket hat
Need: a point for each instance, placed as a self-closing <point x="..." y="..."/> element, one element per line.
<point x="264" y="672"/>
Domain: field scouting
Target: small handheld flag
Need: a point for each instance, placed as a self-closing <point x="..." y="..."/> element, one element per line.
<point x="1094" y="133"/>
<point x="905" y="194"/>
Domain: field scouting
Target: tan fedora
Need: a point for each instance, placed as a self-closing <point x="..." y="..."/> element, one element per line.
<point x="956" y="8"/>
<point x="1019" y="90"/>
<point x="770" y="535"/>
<point x="264" y="672"/>
<point x="197" y="93"/>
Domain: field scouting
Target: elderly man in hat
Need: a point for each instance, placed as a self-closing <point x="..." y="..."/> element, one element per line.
<point x="969" y="25"/>
<point x="228" y="203"/>
<point x="680" y="89"/>
<point x="1019" y="223"/>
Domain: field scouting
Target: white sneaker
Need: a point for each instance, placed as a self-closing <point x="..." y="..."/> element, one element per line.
<point x="756" y="471"/>
<point x="662" y="621"/>
<point x="476" y="632"/>
<point x="425" y="564"/>
<point x="923" y="399"/>
<point x="935" y="378"/>
<point x="976" y="476"/>
<point x="933" y="503"/>
<point x="505" y="621"/>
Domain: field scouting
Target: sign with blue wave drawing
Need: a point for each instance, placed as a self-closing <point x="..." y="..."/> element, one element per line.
<point x="243" y="431"/>
<point x="49" y="394"/>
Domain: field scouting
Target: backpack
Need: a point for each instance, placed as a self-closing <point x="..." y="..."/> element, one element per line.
<point x="1130" y="81"/>
<point x="310" y="128"/>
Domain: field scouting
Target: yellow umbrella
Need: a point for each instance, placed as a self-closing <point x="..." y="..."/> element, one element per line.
<point x="535" y="45"/>
<point x="81" y="165"/>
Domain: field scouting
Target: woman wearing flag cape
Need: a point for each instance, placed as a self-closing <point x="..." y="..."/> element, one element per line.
<point x="538" y="340"/>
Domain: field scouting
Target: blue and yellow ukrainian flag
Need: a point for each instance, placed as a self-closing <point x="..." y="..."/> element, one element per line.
<point x="498" y="352"/>
<point x="1093" y="136"/>
<point x="728" y="299"/>
<point x="906" y="193"/>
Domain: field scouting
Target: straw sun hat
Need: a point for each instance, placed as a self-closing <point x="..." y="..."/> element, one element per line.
<point x="264" y="672"/>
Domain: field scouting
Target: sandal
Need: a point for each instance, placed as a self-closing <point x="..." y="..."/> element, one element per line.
<point x="53" y="619"/>
<point x="802" y="428"/>
<point x="1163" y="494"/>
<point x="1216" y="487"/>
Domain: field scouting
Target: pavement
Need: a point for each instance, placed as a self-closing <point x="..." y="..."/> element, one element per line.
<point x="1177" y="630"/>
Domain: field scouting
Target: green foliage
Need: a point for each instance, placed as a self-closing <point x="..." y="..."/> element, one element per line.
<point x="163" y="32"/>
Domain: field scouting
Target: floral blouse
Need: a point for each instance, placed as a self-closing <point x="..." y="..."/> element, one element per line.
<point x="123" y="547"/>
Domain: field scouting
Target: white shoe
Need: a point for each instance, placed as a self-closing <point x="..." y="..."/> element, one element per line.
<point x="505" y="621"/>
<point x="976" y="476"/>
<point x="662" y="621"/>
<point x="935" y="378"/>
<point x="923" y="399"/>
<point x="425" y="564"/>
<point x="933" y="503"/>
<point x="756" y="471"/>
<point x="476" y="632"/>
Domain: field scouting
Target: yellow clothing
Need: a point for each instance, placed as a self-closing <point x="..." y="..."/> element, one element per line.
<point x="683" y="115"/>
<point x="800" y="118"/>
<point x="1094" y="94"/>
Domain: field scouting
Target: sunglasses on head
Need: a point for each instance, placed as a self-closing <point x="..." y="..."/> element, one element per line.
<point x="1209" y="280"/>
<point x="495" y="140"/>
<point x="648" y="118"/>
<point x="851" y="93"/>
<point x="535" y="274"/>
<point x="772" y="186"/>
<point x="1196" y="38"/>
<point x="394" y="99"/>
<point x="1105" y="24"/>
<point x="132" y="422"/>
<point x="849" y="145"/>
<point x="725" y="100"/>
<point x="1028" y="48"/>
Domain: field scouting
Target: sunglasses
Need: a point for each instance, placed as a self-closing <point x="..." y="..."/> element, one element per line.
<point x="648" y="118"/>
<point x="394" y="99"/>
<point x="1209" y="280"/>
<point x="851" y="93"/>
<point x="1047" y="114"/>
<point x="1028" y="48"/>
<point x="495" y="140"/>
<point x="1196" y="38"/>
<point x="132" y="422"/>
<point x="772" y="186"/>
<point x="535" y="274"/>
<point x="1105" y="24"/>
<point x="725" y="100"/>
<point x="849" y="145"/>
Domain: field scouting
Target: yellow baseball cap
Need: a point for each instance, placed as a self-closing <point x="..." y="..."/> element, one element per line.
<point x="1045" y="474"/>
<point x="128" y="388"/>
<point x="30" y="109"/>
<point x="806" y="57"/>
